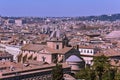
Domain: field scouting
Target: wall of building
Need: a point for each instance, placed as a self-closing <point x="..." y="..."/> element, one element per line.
<point x="44" y="57"/>
<point x="54" y="44"/>
<point x="88" y="60"/>
<point x="14" y="50"/>
<point x="86" y="51"/>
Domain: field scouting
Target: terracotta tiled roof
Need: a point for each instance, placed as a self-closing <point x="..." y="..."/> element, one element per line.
<point x="9" y="69"/>
<point x="108" y="53"/>
<point x="32" y="47"/>
<point x="60" y="51"/>
<point x="86" y="47"/>
<point x="35" y="47"/>
<point x="5" y="54"/>
<point x="113" y="34"/>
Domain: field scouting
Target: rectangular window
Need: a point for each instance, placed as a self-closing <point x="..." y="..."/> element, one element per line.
<point x="57" y="46"/>
<point x="87" y="51"/>
<point x="84" y="51"/>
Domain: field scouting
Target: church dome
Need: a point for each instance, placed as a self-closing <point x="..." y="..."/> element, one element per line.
<point x="74" y="58"/>
<point x="75" y="62"/>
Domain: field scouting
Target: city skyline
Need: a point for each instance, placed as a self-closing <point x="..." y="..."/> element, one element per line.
<point x="57" y="8"/>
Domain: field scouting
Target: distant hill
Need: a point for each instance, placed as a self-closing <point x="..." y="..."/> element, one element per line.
<point x="112" y="17"/>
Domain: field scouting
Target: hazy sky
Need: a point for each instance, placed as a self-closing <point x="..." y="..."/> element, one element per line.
<point x="58" y="7"/>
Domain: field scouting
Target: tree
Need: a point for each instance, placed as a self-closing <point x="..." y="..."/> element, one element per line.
<point x="100" y="70"/>
<point x="86" y="73"/>
<point x="112" y="73"/>
<point x="101" y="65"/>
<point x="117" y="76"/>
<point x="82" y="74"/>
<point x="57" y="72"/>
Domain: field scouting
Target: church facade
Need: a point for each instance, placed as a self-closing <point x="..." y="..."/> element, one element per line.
<point x="56" y="50"/>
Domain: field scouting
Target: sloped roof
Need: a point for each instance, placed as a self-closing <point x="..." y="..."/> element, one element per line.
<point x="108" y="53"/>
<point x="5" y="54"/>
<point x="113" y="34"/>
<point x="36" y="47"/>
<point x="86" y="47"/>
<point x="32" y="47"/>
<point x="59" y="51"/>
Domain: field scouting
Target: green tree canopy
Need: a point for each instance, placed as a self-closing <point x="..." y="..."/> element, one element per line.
<point x="100" y="70"/>
<point x="57" y="72"/>
<point x="100" y="65"/>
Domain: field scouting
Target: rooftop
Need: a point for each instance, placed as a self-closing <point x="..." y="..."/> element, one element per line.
<point x="33" y="47"/>
<point x="5" y="54"/>
<point x="113" y="34"/>
<point x="109" y="53"/>
<point x="8" y="68"/>
<point x="36" y="47"/>
<point x="86" y="47"/>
